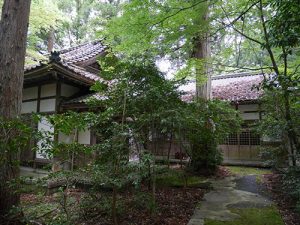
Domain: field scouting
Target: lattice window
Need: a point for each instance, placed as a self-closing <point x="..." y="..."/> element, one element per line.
<point x="246" y="137"/>
<point x="233" y="139"/>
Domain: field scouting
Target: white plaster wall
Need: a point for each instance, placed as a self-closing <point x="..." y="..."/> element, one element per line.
<point x="68" y="90"/>
<point x="63" y="138"/>
<point x="250" y="116"/>
<point x="30" y="93"/>
<point x="48" y="90"/>
<point x="43" y="126"/>
<point x="29" y="107"/>
<point x="84" y="137"/>
<point x="250" y="107"/>
<point x="47" y="105"/>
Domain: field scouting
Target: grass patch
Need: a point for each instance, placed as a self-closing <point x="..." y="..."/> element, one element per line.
<point x="260" y="216"/>
<point x="28" y="185"/>
<point x="243" y="171"/>
<point x="40" y="209"/>
<point x="177" y="178"/>
<point x="46" y="213"/>
<point x="31" y="189"/>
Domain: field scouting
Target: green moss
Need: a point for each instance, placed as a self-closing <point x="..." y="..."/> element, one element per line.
<point x="243" y="171"/>
<point x="177" y="178"/>
<point x="261" y="216"/>
<point x="45" y="213"/>
<point x="259" y="179"/>
<point x="31" y="189"/>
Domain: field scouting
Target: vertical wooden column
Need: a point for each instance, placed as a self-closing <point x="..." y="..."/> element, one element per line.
<point x="39" y="99"/>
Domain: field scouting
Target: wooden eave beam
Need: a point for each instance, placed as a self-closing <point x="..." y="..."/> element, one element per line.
<point x="39" y="73"/>
<point x="72" y="75"/>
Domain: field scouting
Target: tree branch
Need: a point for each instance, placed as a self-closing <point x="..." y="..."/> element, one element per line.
<point x="239" y="46"/>
<point x="236" y="19"/>
<point x="177" y="12"/>
<point x="238" y="31"/>
<point x="266" y="35"/>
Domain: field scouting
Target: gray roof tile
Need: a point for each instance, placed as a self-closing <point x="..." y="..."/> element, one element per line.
<point x="234" y="88"/>
<point x="238" y="88"/>
<point x="75" y="55"/>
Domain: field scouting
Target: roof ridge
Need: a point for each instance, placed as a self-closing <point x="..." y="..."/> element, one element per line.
<point x="69" y="49"/>
<point x="65" y="50"/>
<point x="76" y="58"/>
<point x="234" y="75"/>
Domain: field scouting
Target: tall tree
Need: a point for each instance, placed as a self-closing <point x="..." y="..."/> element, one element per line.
<point x="232" y="52"/>
<point x="86" y="18"/>
<point x="176" y="29"/>
<point x="13" y="34"/>
<point x="276" y="33"/>
<point x="45" y="17"/>
<point x="201" y="52"/>
<point x="172" y="28"/>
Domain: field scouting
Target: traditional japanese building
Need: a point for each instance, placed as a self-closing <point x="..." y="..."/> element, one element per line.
<point x="59" y="84"/>
<point x="243" y="91"/>
<point x="63" y="83"/>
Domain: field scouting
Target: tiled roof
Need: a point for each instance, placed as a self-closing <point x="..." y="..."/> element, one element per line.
<point x="82" y="52"/>
<point x="82" y="71"/>
<point x="85" y="99"/>
<point x="32" y="66"/>
<point x="233" y="87"/>
<point x="237" y="87"/>
<point x="71" y="59"/>
<point x="188" y="96"/>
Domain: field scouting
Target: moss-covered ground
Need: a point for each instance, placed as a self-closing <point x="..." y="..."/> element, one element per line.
<point x="244" y="171"/>
<point x="252" y="216"/>
<point x="180" y="178"/>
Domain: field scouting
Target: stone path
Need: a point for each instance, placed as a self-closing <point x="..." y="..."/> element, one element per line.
<point x="226" y="194"/>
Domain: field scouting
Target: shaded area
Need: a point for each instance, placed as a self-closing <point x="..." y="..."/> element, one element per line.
<point x="284" y="202"/>
<point x="32" y="173"/>
<point x="220" y="203"/>
<point x="239" y="199"/>
<point x="174" y="203"/>
<point x="251" y="183"/>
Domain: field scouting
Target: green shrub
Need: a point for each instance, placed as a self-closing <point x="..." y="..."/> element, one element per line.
<point x="144" y="200"/>
<point x="291" y="184"/>
<point x="273" y="156"/>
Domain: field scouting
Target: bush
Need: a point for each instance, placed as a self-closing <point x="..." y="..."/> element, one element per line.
<point x="206" y="124"/>
<point x="206" y="157"/>
<point x="291" y="184"/>
<point x="144" y="200"/>
<point x="273" y="156"/>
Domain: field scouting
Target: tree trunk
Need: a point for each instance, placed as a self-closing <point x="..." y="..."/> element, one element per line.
<point x="51" y="40"/>
<point x="169" y="149"/>
<point x="201" y="52"/>
<point x="13" y="33"/>
<point x="114" y="206"/>
<point x="292" y="143"/>
<point x="78" y="9"/>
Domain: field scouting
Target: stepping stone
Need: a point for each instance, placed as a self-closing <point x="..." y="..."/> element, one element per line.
<point x="217" y="203"/>
<point x="196" y="222"/>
